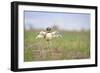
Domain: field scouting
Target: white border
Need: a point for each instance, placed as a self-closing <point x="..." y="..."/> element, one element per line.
<point x="22" y="64"/>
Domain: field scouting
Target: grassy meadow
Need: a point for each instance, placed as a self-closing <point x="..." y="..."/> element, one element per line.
<point x="73" y="45"/>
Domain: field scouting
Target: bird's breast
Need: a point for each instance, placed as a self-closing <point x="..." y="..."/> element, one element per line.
<point x="48" y="36"/>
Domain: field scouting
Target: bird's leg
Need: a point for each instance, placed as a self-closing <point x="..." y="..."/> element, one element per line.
<point x="47" y="44"/>
<point x="50" y="43"/>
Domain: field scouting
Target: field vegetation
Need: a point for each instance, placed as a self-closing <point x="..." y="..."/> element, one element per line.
<point x="73" y="45"/>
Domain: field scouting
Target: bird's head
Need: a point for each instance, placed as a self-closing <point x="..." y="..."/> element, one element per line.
<point x="48" y="29"/>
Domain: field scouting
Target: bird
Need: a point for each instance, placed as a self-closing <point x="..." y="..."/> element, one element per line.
<point x="48" y="35"/>
<point x="41" y="35"/>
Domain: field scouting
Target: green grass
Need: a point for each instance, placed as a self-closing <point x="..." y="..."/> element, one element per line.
<point x="73" y="45"/>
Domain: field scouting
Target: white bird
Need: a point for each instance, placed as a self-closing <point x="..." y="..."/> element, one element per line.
<point x="41" y="35"/>
<point x="56" y="34"/>
<point x="48" y="35"/>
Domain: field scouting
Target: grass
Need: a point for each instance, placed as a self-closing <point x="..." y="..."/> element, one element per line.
<point x="73" y="45"/>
